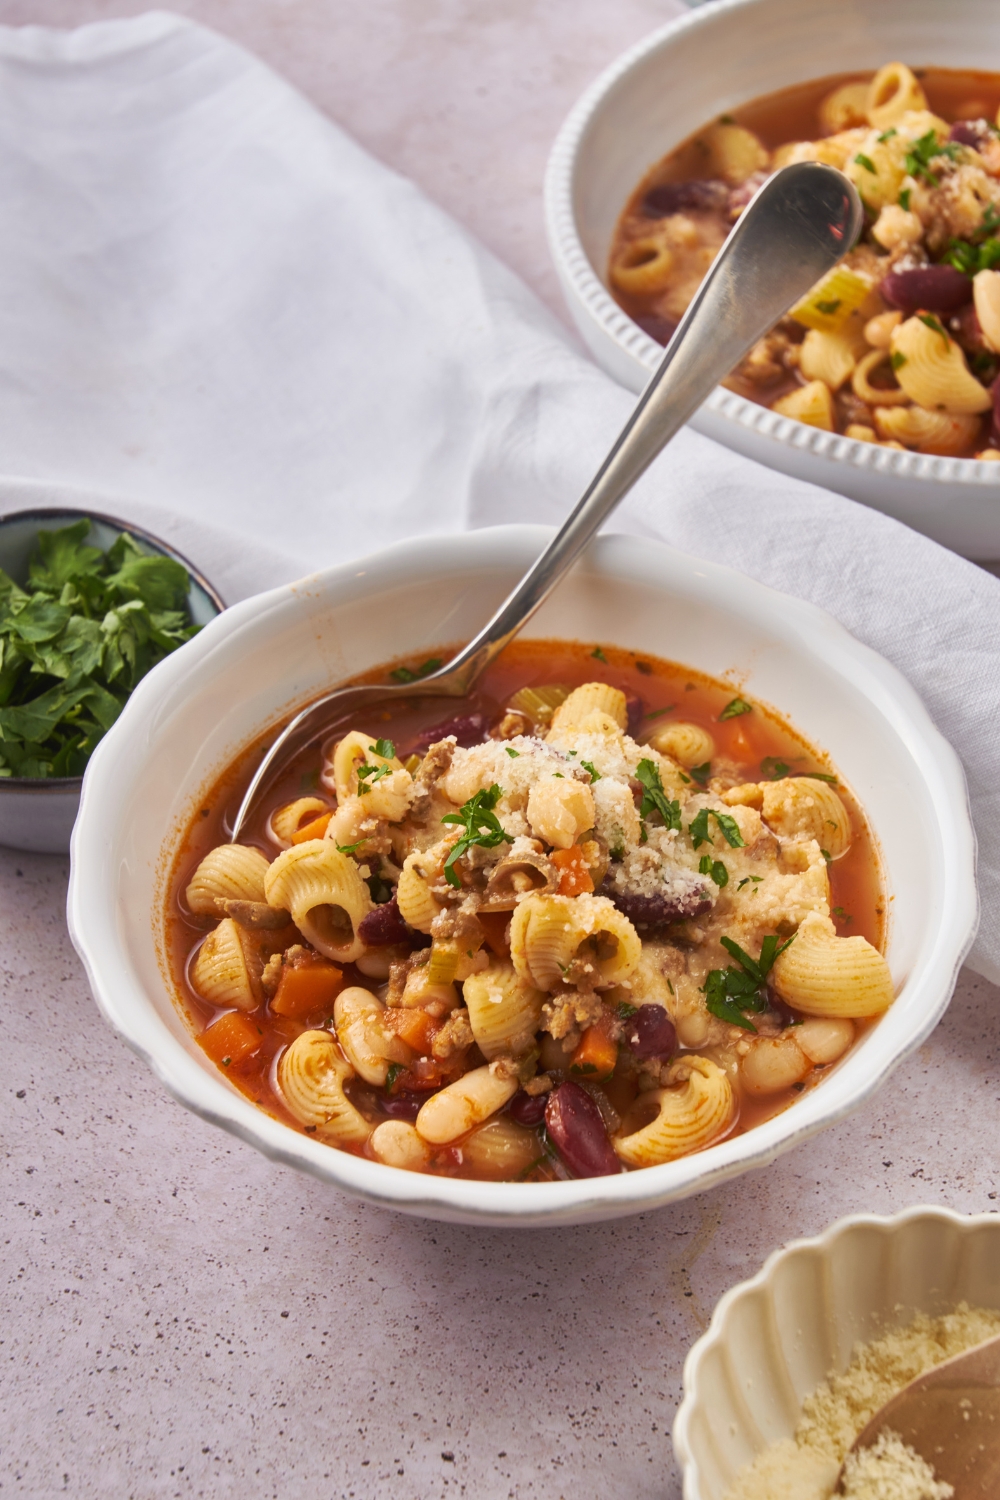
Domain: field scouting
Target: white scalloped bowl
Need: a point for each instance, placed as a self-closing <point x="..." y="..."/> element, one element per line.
<point x="773" y="1339"/>
<point x="666" y="87"/>
<point x="267" y="656"/>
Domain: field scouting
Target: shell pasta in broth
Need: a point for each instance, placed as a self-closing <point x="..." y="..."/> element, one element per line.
<point x="899" y="344"/>
<point x="606" y="915"/>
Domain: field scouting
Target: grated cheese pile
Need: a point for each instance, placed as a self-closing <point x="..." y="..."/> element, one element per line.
<point x="891" y="1470"/>
<point x="806" y="1467"/>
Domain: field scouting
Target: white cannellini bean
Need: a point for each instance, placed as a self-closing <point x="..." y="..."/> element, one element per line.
<point x="824" y="1038"/>
<point x="773" y="1064"/>
<point x="396" y="1143"/>
<point x="460" y="1106"/>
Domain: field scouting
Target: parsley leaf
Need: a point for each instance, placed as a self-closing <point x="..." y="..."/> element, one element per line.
<point x="481" y="826"/>
<point x="734" y="708"/>
<point x="731" y="992"/>
<point x="624" y="1011"/>
<point x="701" y="773"/>
<point x="935" y="324"/>
<point x="728" y="827"/>
<point x="392" y="1074"/>
<point x="714" y="867"/>
<point x="904" y="199"/>
<point x="820" y="776"/>
<point x="654" y="798"/>
<point x="514" y="754"/>
<point x="656" y="713"/>
<point x="599" y="655"/>
<point x="897" y="359"/>
<point x="384" y="749"/>
<point x="747" y="879"/>
<point x="349" y="848"/>
<point x="774" y="768"/>
<point x="867" y="163"/>
<point x="838" y="911"/>
<point x="588" y="765"/>
<point x="829" y="307"/>
<point x="922" y="152"/>
<point x="413" y="674"/>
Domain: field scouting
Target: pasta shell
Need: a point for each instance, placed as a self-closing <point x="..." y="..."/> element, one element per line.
<point x="876" y="395"/>
<point x="844" y="107"/>
<point x="829" y="357"/>
<point x="325" y="894"/>
<point x="825" y="975"/>
<point x="459" y="1107"/>
<point x="514" y="876"/>
<point x="643" y="266"/>
<point x="689" y="1116"/>
<point x="735" y="153"/>
<point x="928" y="431"/>
<point x="803" y="808"/>
<point x="811" y="404"/>
<point x="549" y="933"/>
<point x="986" y="296"/>
<point x="350" y="753"/>
<point x="600" y="696"/>
<point x="892" y="93"/>
<point x="285" y="821"/>
<point x="688" y="744"/>
<point x="232" y="871"/>
<point x="352" y="1010"/>
<point x="223" y="972"/>
<point x="930" y="367"/>
<point x="504" y="1011"/>
<point x="311" y="1078"/>
<point x="501" y="1150"/>
<point x="416" y="904"/>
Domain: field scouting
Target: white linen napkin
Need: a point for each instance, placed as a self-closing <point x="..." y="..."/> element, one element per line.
<point x="280" y="354"/>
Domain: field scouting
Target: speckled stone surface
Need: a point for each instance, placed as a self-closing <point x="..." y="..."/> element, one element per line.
<point x="182" y="1318"/>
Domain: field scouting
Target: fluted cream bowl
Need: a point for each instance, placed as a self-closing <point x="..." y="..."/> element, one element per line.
<point x="773" y="1339"/>
<point x="655" y="95"/>
<point x="269" y="655"/>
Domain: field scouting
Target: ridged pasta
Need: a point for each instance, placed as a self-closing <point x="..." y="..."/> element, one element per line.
<point x="643" y="266"/>
<point x="559" y="810"/>
<point x="325" y="894"/>
<point x="688" y="744"/>
<point x="504" y="1010"/>
<point x="350" y="753"/>
<point x="311" y="1077"/>
<point x="224" y="971"/>
<point x="549" y="933"/>
<point x="941" y="432"/>
<point x="591" y="696"/>
<point x="876" y="395"/>
<point x="231" y="871"/>
<point x="804" y="808"/>
<point x="930" y="367"/>
<point x="986" y="296"/>
<point x="689" y="1116"/>
<point x="353" y="1008"/>
<point x="514" y="876"/>
<point x="844" y="107"/>
<point x="501" y="1150"/>
<point x="811" y="404"/>
<point x="462" y="1105"/>
<point x="734" y="152"/>
<point x="285" y="821"/>
<point x="822" y="974"/>
<point x="416" y="904"/>
<point x="892" y="93"/>
<point x="829" y="357"/>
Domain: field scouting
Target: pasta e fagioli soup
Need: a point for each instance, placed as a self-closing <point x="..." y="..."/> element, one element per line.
<point x="607" y="914"/>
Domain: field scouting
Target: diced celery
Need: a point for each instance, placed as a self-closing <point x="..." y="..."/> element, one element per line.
<point x="539" y="703"/>
<point x="830" y="303"/>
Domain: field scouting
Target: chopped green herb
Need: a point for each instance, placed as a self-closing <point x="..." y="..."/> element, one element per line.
<point x="656" y="713"/>
<point x="735" y="707"/>
<point x="624" y="1011"/>
<point x="991" y="219"/>
<point x="384" y="749"/>
<point x="558" y="776"/>
<point x="829" y="307"/>
<point x="827" y="855"/>
<point x="774" y="768"/>
<point x="935" y="324"/>
<point x="514" y="754"/>
<point x="887" y="134"/>
<point x="381" y="890"/>
<point x="349" y="848"/>
<point x="867" y="163"/>
<point x="731" y="992"/>
<point x="654" y="798"/>
<point x="392" y="1074"/>
<point x="897" y="359"/>
<point x="747" y="879"/>
<point x="599" y="654"/>
<point x="75" y="641"/>
<point x="728" y="827"/>
<point x="368" y="775"/>
<point x="820" y="776"/>
<point x="904" y="199"/>
<point x="922" y="152"/>
<point x="482" y="828"/>
<point x="413" y="674"/>
<point x="701" y="773"/>
<point x="714" y="867"/>
<point x="971" y="258"/>
<point x="838" y="911"/>
<point x="588" y="765"/>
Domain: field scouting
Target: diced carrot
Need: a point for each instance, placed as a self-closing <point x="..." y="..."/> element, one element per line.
<point x="597" y="1053"/>
<point x="307" y="989"/>
<point x="314" y="830"/>
<point x="412" y="1025"/>
<point x="425" y="1074"/>
<point x="495" y="924"/>
<point x="574" y="872"/>
<point x="231" y="1039"/>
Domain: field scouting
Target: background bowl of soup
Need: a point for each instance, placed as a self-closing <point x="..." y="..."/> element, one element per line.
<point x="674" y="83"/>
<point x="201" y="708"/>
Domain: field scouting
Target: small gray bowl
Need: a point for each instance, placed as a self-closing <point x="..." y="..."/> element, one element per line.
<point x="38" y="813"/>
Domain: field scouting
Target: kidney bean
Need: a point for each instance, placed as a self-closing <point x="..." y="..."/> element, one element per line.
<point x="650" y="1032"/>
<point x="740" y="196"/>
<point x="402" y="1106"/>
<point x="527" y="1109"/>
<point x="660" y="329"/>
<point x="661" y="908"/>
<point x="577" y="1131"/>
<point x="384" y="925"/>
<point x="678" y="197"/>
<point x="972" y="133"/>
<point x="633" y="711"/>
<point x="930" y="288"/>
<point x="468" y="729"/>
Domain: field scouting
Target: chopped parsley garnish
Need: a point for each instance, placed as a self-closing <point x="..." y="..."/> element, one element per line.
<point x="588" y="765"/>
<point x="867" y="163"/>
<point x="75" y="641"/>
<point x="991" y="219"/>
<point x="482" y="828"/>
<point x="827" y="855"/>
<point x="349" y="848"/>
<point x="747" y="879"/>
<point x="820" y="776"/>
<point x="392" y="1074"/>
<point x="930" y="321"/>
<point x="728" y="827"/>
<point x="714" y="867"/>
<point x="654" y="798"/>
<point x="730" y="992"/>
<point x="887" y="135"/>
<point x="774" y="768"/>
<point x="839" y="912"/>
<point x="897" y="359"/>
<point x="904" y="199"/>
<point x="624" y="1011"/>
<point x="829" y="307"/>
<point x="923" y="151"/>
<point x="413" y="674"/>
<point x="971" y="258"/>
<point x="734" y="708"/>
<point x="599" y="654"/>
<point x="701" y="773"/>
<point x="514" y="754"/>
<point x="657" y="712"/>
<point x="368" y="774"/>
<point x="384" y="749"/>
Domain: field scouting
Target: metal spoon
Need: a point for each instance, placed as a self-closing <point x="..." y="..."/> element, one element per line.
<point x="951" y="1416"/>
<point x="795" y="229"/>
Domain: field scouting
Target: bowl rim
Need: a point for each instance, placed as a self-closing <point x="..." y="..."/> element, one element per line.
<point x="582" y="283"/>
<point x="94" y="922"/>
<point x="42" y="785"/>
<point x="805" y="1245"/>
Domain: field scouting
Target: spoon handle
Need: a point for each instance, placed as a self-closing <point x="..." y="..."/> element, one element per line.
<point x="795" y="229"/>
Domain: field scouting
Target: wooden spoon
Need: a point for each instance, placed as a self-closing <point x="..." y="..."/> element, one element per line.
<point x="951" y="1416"/>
